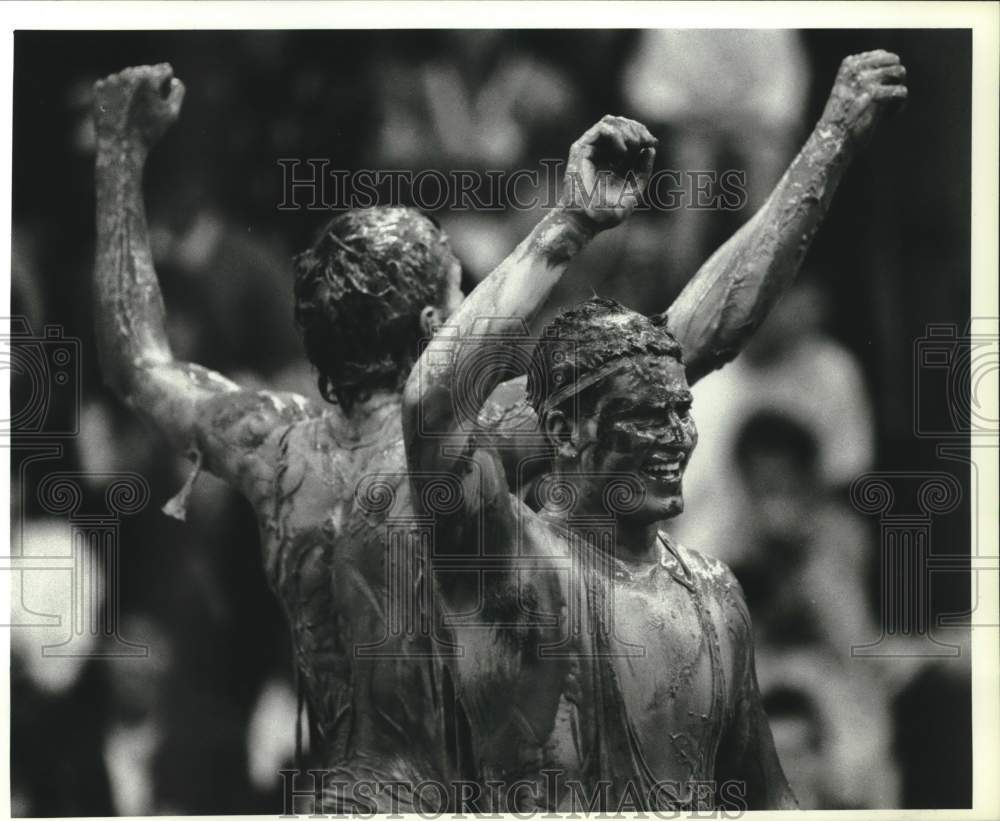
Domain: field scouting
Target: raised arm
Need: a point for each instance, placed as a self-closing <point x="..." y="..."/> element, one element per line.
<point x="726" y="301"/>
<point x="439" y="408"/>
<point x="199" y="411"/>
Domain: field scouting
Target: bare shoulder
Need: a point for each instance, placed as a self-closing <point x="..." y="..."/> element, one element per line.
<point x="249" y="420"/>
<point x="707" y="568"/>
<point x="717" y="579"/>
<point x="239" y="432"/>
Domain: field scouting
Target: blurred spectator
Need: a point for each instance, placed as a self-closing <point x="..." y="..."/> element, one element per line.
<point x="137" y="723"/>
<point x="833" y="731"/>
<point x="719" y="99"/>
<point x="800" y="736"/>
<point x="228" y="292"/>
<point x="803" y="567"/>
<point x="805" y="553"/>
<point x="476" y="101"/>
<point x="58" y="767"/>
<point x="481" y="101"/>
<point x="929" y="715"/>
<point x="791" y="366"/>
<point x="27" y="296"/>
<point x="271" y="738"/>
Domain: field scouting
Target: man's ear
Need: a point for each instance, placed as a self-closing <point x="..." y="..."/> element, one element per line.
<point x="430" y="320"/>
<point x="560" y="433"/>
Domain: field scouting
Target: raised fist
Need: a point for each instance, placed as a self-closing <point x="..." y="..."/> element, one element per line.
<point x="137" y="104"/>
<point x="867" y="86"/>
<point x="607" y="170"/>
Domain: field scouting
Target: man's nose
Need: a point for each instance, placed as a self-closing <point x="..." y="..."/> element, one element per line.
<point x="674" y="432"/>
<point x="668" y="434"/>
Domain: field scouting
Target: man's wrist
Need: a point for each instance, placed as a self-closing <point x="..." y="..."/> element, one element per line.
<point x="118" y="144"/>
<point x="576" y="221"/>
<point x="837" y="139"/>
<point x="563" y="233"/>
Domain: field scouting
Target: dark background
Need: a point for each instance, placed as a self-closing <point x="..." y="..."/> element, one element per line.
<point x="895" y="245"/>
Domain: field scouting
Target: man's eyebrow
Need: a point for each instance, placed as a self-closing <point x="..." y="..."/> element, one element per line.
<point x="675" y="396"/>
<point x="651" y="406"/>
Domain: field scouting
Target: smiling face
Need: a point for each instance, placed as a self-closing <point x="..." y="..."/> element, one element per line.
<point x="639" y="426"/>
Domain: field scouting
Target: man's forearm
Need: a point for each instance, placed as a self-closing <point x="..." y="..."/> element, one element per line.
<point x="504" y="303"/>
<point x="512" y="294"/>
<point x="731" y="294"/>
<point x="129" y="314"/>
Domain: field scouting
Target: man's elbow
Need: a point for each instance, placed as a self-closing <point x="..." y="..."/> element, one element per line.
<point x="116" y="376"/>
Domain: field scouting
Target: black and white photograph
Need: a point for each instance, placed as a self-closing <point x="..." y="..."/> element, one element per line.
<point x="452" y="410"/>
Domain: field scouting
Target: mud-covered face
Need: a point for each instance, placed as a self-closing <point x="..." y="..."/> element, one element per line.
<point x="642" y="426"/>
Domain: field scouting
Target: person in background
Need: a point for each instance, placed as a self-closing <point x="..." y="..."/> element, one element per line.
<point x="724" y="99"/>
<point x="804" y="571"/>
<point x="793" y="367"/>
<point x="807" y="552"/>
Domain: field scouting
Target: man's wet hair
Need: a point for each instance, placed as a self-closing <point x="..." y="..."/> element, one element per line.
<point x="581" y="342"/>
<point x="359" y="293"/>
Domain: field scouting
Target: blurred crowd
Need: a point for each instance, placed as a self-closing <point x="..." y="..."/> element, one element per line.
<point x="203" y="724"/>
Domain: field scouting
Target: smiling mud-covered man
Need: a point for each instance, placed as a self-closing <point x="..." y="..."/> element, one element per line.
<point x="601" y="663"/>
<point x="372" y="285"/>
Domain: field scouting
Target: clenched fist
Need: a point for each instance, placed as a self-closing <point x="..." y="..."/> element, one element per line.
<point x="607" y="171"/>
<point x="137" y="104"/>
<point x="867" y="86"/>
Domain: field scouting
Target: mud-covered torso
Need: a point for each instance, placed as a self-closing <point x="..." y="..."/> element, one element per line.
<point x="601" y="671"/>
<point x="370" y="687"/>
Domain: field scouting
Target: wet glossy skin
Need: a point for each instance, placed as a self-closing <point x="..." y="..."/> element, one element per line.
<point x="604" y="660"/>
<point x="648" y="683"/>
<point x="298" y="465"/>
<point x="642" y="426"/>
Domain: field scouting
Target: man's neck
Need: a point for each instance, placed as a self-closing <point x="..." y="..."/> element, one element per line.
<point x="637" y="542"/>
<point x="634" y="541"/>
<point x="376" y="413"/>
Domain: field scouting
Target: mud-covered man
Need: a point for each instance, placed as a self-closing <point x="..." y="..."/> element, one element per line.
<point x="601" y="662"/>
<point x="373" y="284"/>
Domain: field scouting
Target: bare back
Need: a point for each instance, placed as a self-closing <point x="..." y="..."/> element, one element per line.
<point x="371" y="687"/>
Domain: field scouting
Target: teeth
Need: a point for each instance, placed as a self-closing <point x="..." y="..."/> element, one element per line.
<point x="664" y="469"/>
